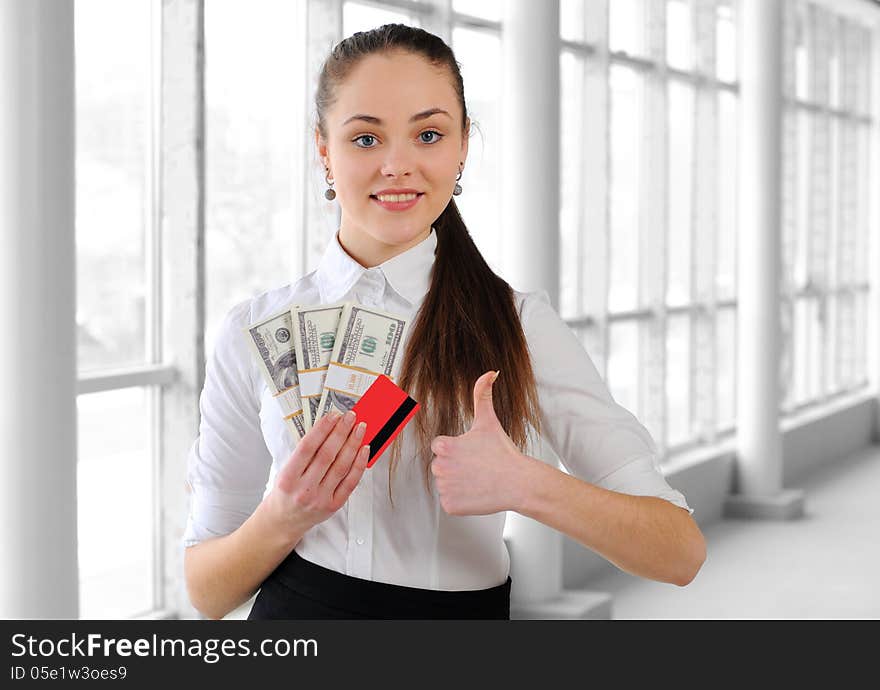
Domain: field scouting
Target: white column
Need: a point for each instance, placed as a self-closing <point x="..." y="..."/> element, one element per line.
<point x="530" y="154"/>
<point x="38" y="535"/>
<point x="182" y="157"/>
<point x="759" y="441"/>
<point x="530" y="226"/>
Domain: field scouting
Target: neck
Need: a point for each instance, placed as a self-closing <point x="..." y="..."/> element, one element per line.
<point x="370" y="252"/>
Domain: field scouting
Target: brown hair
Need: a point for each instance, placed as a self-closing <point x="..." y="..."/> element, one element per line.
<point x="468" y="323"/>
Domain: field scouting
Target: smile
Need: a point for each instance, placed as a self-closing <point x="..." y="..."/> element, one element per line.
<point x="397" y="202"/>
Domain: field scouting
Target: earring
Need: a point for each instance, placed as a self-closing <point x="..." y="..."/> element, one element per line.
<point x="457" y="190"/>
<point x="330" y="193"/>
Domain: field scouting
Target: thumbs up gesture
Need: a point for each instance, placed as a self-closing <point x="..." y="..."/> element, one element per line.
<point x="481" y="471"/>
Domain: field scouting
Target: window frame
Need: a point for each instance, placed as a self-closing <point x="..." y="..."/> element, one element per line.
<point x="654" y="312"/>
<point x="815" y="288"/>
<point x="154" y="375"/>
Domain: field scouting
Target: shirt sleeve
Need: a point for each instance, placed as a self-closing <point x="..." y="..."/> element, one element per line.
<point x="596" y="439"/>
<point x="228" y="463"/>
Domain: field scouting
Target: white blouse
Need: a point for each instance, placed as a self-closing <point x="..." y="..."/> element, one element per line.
<point x="243" y="440"/>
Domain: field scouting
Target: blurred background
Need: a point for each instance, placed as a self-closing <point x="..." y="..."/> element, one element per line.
<point x="197" y="186"/>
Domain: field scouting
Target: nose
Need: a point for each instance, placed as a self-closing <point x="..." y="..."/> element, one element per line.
<point x="398" y="162"/>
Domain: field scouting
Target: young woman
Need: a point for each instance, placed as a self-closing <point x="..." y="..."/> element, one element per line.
<point x="492" y="367"/>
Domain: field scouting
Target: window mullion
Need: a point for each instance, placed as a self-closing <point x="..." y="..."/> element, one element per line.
<point x="596" y="174"/>
<point x="439" y="21"/>
<point x="847" y="212"/>
<point x="790" y="204"/>
<point x="182" y="193"/>
<point x="653" y="229"/>
<point x="820" y="210"/>
<point x="704" y="229"/>
<point x="153" y="310"/>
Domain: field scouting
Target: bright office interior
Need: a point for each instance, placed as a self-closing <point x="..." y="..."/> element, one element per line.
<point x="675" y="220"/>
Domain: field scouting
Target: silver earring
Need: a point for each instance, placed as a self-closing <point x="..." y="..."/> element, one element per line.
<point x="330" y="193"/>
<point x="457" y="190"/>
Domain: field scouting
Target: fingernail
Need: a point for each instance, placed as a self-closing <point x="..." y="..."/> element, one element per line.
<point x="496" y="375"/>
<point x="361" y="428"/>
<point x="349" y="417"/>
<point x="335" y="415"/>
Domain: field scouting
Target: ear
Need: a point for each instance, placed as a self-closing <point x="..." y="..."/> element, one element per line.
<point x="322" y="147"/>
<point x="465" y="139"/>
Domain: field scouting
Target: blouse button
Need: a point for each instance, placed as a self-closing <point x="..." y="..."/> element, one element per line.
<point x="360" y="541"/>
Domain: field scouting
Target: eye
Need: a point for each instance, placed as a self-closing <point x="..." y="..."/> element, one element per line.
<point x="363" y="136"/>
<point x="435" y="139"/>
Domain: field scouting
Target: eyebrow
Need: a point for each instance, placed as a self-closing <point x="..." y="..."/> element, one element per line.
<point x="418" y="116"/>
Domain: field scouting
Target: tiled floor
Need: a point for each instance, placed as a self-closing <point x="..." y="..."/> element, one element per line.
<point x="825" y="565"/>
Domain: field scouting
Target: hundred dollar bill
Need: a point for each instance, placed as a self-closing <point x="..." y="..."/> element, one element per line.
<point x="369" y="342"/>
<point x="271" y="342"/>
<point x="314" y="335"/>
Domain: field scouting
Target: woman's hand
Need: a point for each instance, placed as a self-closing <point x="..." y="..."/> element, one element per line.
<point x="481" y="471"/>
<point x="323" y="470"/>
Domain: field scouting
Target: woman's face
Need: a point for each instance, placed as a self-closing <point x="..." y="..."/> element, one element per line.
<point x="395" y="125"/>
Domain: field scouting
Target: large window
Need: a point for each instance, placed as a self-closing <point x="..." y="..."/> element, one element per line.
<point x="117" y="308"/>
<point x="826" y="182"/>
<point x="648" y="206"/>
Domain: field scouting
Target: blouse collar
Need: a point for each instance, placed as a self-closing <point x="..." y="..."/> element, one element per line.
<point x="408" y="273"/>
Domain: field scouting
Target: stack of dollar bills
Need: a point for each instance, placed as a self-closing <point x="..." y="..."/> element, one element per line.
<point x="323" y="357"/>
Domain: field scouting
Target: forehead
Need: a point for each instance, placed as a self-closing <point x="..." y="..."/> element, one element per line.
<point x="394" y="86"/>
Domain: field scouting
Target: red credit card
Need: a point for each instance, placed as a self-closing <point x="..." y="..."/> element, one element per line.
<point x="386" y="408"/>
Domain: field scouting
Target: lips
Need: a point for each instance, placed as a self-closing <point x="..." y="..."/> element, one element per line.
<point x="397" y="205"/>
<point x="408" y="193"/>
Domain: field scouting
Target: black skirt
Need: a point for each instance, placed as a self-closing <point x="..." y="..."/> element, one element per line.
<point x="301" y="590"/>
